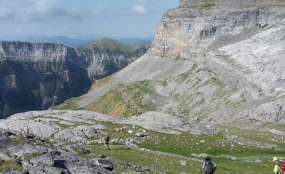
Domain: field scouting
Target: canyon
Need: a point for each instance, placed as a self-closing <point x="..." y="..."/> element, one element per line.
<point x="37" y="76"/>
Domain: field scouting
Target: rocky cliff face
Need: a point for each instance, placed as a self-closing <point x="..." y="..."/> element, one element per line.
<point x="231" y="3"/>
<point x="215" y="60"/>
<point x="37" y="76"/>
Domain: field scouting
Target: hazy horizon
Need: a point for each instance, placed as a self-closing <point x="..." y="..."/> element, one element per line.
<point x="83" y="19"/>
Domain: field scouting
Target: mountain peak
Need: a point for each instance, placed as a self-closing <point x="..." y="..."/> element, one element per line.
<point x="112" y="45"/>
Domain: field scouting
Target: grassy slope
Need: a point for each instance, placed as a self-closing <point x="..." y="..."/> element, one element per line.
<point x="168" y="151"/>
<point x="229" y="154"/>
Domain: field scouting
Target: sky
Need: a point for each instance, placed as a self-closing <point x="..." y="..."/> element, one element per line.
<point x="81" y="19"/>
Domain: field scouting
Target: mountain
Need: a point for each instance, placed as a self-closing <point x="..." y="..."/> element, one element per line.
<point x="135" y="41"/>
<point x="61" y="40"/>
<point x="35" y="76"/>
<point x="107" y="56"/>
<point x="70" y="42"/>
<point x="211" y="84"/>
<point x="218" y="61"/>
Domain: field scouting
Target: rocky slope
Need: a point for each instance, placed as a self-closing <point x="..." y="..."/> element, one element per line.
<point x="37" y="76"/>
<point x="212" y="61"/>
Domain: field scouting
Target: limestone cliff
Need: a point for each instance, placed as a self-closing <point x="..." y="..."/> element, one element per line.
<point x="214" y="60"/>
<point x="37" y="76"/>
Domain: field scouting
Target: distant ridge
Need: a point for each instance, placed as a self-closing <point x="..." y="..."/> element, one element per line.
<point x="71" y="42"/>
<point x="62" y="40"/>
<point x="112" y="45"/>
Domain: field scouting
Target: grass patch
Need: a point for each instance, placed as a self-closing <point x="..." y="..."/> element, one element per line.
<point x="224" y="57"/>
<point x="70" y="104"/>
<point x="182" y="77"/>
<point x="124" y="100"/>
<point x="19" y="141"/>
<point x="208" y="5"/>
<point x="160" y="163"/>
<point x="163" y="83"/>
<point x="262" y="26"/>
<point x="112" y="104"/>
<point x="10" y="164"/>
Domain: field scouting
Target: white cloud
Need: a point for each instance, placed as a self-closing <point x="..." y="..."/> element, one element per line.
<point x="45" y="10"/>
<point x="139" y="9"/>
<point x="97" y="9"/>
<point x="142" y="1"/>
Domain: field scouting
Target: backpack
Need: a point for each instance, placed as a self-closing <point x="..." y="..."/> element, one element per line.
<point x="107" y="139"/>
<point x="281" y="165"/>
<point x="209" y="168"/>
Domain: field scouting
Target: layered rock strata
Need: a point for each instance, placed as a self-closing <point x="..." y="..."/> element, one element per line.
<point x="37" y="76"/>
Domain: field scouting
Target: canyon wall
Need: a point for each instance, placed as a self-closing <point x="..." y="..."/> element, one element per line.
<point x="38" y="76"/>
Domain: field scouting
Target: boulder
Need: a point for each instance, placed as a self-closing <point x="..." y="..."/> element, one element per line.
<point x="46" y="159"/>
<point x="140" y="134"/>
<point x="5" y="142"/>
<point x="107" y="164"/>
<point x="89" y="131"/>
<point x="67" y="134"/>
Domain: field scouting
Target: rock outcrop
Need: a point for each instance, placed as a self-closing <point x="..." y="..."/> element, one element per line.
<point x="38" y="76"/>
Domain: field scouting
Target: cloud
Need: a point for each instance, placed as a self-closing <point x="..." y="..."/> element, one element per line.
<point x="46" y="10"/>
<point x="139" y="9"/>
<point x="6" y="15"/>
<point x="142" y="1"/>
<point x="97" y="9"/>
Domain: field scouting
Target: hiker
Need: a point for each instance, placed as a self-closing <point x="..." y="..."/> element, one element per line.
<point x="278" y="166"/>
<point x="208" y="166"/>
<point x="107" y="139"/>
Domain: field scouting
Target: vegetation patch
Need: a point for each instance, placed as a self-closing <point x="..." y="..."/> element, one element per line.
<point x="224" y="57"/>
<point x="10" y="164"/>
<point x="158" y="162"/>
<point x="163" y="83"/>
<point x="262" y="26"/>
<point x="19" y="141"/>
<point x="112" y="104"/>
<point x="207" y="4"/>
<point x="124" y="100"/>
<point x="70" y="104"/>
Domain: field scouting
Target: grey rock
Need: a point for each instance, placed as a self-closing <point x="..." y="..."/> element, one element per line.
<point x="11" y="171"/>
<point x="5" y="142"/>
<point x="140" y="134"/>
<point x="46" y="159"/>
<point x="89" y="131"/>
<point x="107" y="164"/>
<point x="67" y="134"/>
<point x="77" y="140"/>
<point x="41" y="129"/>
<point x="20" y="150"/>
